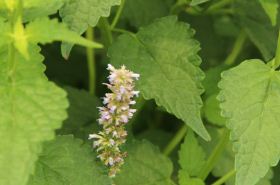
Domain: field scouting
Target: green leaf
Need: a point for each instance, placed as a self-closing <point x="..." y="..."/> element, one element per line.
<point x="80" y="14"/>
<point x="212" y="77"/>
<point x="31" y="109"/>
<point x="252" y="17"/>
<point x="66" y="161"/>
<point x="184" y="179"/>
<point x="4" y="31"/>
<point x="169" y="67"/>
<point x="143" y="12"/>
<point x="144" y="165"/>
<point x="271" y="9"/>
<point x="191" y="155"/>
<point x="35" y="8"/>
<point x="212" y="111"/>
<point x="250" y="100"/>
<point x="82" y="113"/>
<point x="46" y="31"/>
<point x="198" y="2"/>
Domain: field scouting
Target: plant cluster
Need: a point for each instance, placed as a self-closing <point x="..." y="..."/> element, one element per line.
<point x="194" y="92"/>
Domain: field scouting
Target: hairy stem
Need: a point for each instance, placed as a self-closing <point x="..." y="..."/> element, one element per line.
<point x="224" y="178"/>
<point x="237" y="47"/>
<point x="91" y="61"/>
<point x="118" y="15"/>
<point x="176" y="140"/>
<point x="213" y="158"/>
<point x="276" y="62"/>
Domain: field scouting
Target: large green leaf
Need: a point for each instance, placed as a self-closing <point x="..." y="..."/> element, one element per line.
<point x="169" y="67"/>
<point x="68" y="161"/>
<point x="142" y="12"/>
<point x="250" y="100"/>
<point x="31" y="109"/>
<point x="35" y="8"/>
<point x="257" y="24"/>
<point x="80" y="14"/>
<point x="144" y="165"/>
<point x="191" y="155"/>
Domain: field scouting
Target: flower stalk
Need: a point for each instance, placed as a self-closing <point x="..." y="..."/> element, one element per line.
<point x="114" y="115"/>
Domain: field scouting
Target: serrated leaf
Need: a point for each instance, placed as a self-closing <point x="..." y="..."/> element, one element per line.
<point x="82" y="113"/>
<point x="80" y="14"/>
<point x="46" y="31"/>
<point x="31" y="109"/>
<point x="142" y="12"/>
<point x="169" y="67"/>
<point x="191" y="155"/>
<point x="251" y="16"/>
<point x="212" y="111"/>
<point x="271" y="9"/>
<point x="144" y="165"/>
<point x="185" y="179"/>
<point x="250" y="100"/>
<point x="66" y="161"/>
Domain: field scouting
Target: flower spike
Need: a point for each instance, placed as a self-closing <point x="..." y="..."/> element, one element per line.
<point x="114" y="115"/>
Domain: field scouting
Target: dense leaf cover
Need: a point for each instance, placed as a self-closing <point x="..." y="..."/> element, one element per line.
<point x="207" y="87"/>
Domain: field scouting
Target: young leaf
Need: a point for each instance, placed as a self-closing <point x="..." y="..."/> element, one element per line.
<point x="46" y="31"/>
<point x="185" y="179"/>
<point x="144" y="165"/>
<point x="191" y="155"/>
<point x="68" y="161"/>
<point x="31" y="109"/>
<point x="212" y="111"/>
<point x="169" y="67"/>
<point x="250" y="100"/>
<point x="80" y="14"/>
<point x="271" y="9"/>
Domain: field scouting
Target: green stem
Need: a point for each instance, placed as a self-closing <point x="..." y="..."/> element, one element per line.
<point x="106" y="31"/>
<point x="118" y="30"/>
<point x="237" y="47"/>
<point x="118" y="15"/>
<point x="216" y="6"/>
<point x="91" y="61"/>
<point x="225" y="178"/>
<point x="210" y="163"/>
<point x="176" y="140"/>
<point x="276" y="62"/>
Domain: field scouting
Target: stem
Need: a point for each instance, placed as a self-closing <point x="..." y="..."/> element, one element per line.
<point x="237" y="47"/>
<point x="118" y="15"/>
<point x="225" y="178"/>
<point x="91" y="61"/>
<point x="176" y="140"/>
<point x="276" y="62"/>
<point x="106" y="31"/>
<point x="215" y="155"/>
<point x="118" y="30"/>
<point x="218" y="5"/>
